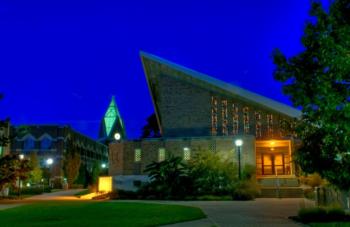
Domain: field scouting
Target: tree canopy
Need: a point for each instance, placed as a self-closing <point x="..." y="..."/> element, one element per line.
<point x="318" y="81"/>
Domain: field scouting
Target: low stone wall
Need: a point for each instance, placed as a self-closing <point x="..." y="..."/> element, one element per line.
<point x="129" y="182"/>
<point x="327" y="196"/>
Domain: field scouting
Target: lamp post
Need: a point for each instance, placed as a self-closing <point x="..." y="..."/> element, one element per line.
<point x="49" y="162"/>
<point x="21" y="158"/>
<point x="239" y="144"/>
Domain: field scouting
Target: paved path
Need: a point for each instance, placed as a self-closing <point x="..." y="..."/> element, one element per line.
<point x="60" y="195"/>
<point x="261" y="212"/>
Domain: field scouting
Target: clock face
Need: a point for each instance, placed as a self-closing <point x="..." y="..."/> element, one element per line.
<point x="117" y="136"/>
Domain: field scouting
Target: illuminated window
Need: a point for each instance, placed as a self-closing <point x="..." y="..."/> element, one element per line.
<point x="1" y="150"/>
<point x="214" y="116"/>
<point x="224" y="117"/>
<point x="161" y="154"/>
<point x="258" y="124"/>
<point x="187" y="153"/>
<point x="28" y="144"/>
<point x="137" y="155"/>
<point x="235" y="118"/>
<point x="45" y="143"/>
<point x="246" y="119"/>
<point x="270" y="125"/>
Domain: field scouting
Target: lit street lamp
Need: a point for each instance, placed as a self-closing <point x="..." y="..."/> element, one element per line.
<point x="49" y="162"/>
<point x="239" y="144"/>
<point x="103" y="165"/>
<point x="21" y="156"/>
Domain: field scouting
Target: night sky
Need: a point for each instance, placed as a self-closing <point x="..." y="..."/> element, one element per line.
<point x="61" y="63"/>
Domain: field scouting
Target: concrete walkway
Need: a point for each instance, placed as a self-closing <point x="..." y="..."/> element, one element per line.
<point x="260" y="212"/>
<point x="60" y="195"/>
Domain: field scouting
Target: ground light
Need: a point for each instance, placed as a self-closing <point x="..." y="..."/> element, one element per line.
<point x="105" y="184"/>
<point x="239" y="144"/>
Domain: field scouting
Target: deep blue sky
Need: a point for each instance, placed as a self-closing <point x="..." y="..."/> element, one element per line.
<point x="61" y="63"/>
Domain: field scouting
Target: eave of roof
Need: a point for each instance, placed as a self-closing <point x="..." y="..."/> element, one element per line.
<point x="251" y="96"/>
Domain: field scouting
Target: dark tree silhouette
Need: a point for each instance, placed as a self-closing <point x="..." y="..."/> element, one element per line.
<point x="318" y="81"/>
<point x="151" y="129"/>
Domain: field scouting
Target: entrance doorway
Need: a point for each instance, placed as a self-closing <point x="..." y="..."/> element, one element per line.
<point x="273" y="163"/>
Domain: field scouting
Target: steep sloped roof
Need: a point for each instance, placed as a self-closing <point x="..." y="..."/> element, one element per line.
<point x="233" y="89"/>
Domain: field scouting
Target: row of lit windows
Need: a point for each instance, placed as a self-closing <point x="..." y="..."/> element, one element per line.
<point x="162" y="154"/>
<point x="235" y="119"/>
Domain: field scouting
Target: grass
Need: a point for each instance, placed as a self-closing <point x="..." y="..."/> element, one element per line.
<point x="97" y="214"/>
<point x="330" y="224"/>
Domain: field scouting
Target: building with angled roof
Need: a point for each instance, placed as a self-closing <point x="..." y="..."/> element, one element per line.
<point x="111" y="124"/>
<point x="197" y="112"/>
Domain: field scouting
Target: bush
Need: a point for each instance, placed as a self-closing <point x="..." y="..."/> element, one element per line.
<point x="245" y="190"/>
<point x="30" y="190"/>
<point x="336" y="214"/>
<point x="316" y="214"/>
<point x="321" y="214"/>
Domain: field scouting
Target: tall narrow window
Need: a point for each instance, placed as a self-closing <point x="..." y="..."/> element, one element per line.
<point x="270" y="125"/>
<point x="235" y="118"/>
<point x="258" y="124"/>
<point x="214" y="116"/>
<point x="187" y="153"/>
<point x="161" y="154"/>
<point x="29" y="144"/>
<point x="224" y="117"/>
<point x="137" y="155"/>
<point x="246" y="119"/>
<point x="45" y="143"/>
<point x="1" y="150"/>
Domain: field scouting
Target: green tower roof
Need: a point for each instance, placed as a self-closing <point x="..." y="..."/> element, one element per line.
<point x="112" y="115"/>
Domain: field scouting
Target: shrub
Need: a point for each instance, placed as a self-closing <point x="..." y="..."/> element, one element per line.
<point x="316" y="214"/>
<point x="321" y="214"/>
<point x="212" y="173"/>
<point x="245" y="190"/>
<point x="336" y="214"/>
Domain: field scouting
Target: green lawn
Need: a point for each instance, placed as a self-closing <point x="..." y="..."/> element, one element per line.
<point x="97" y="214"/>
<point x="331" y="224"/>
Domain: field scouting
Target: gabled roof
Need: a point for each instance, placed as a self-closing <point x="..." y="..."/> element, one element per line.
<point x="233" y="89"/>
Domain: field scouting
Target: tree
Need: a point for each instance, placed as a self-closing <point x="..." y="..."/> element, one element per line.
<point x="13" y="169"/>
<point x="72" y="166"/>
<point x="318" y="81"/>
<point x="151" y="129"/>
<point x="36" y="174"/>
<point x="169" y="178"/>
<point x="212" y="173"/>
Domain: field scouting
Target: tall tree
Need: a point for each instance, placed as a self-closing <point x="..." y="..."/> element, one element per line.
<point x="318" y="81"/>
<point x="151" y="129"/>
<point x="72" y="166"/>
<point x="36" y="174"/>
